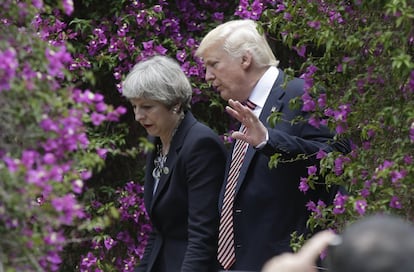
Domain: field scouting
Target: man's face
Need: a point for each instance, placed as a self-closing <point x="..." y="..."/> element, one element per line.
<point x="225" y="73"/>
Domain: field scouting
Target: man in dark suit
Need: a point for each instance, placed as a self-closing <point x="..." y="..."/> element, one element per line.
<point x="261" y="207"/>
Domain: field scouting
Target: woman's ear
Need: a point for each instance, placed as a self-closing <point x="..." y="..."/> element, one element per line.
<point x="176" y="108"/>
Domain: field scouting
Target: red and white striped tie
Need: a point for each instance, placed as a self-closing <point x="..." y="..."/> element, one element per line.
<point x="226" y="253"/>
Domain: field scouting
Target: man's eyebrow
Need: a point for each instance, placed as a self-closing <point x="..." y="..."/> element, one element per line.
<point x="209" y="61"/>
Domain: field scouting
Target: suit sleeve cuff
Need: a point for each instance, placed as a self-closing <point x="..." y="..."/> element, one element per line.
<point x="262" y="144"/>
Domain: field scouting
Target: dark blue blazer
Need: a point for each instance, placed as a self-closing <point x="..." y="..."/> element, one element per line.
<point x="268" y="205"/>
<point x="183" y="210"/>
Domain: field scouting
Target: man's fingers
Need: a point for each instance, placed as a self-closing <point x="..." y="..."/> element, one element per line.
<point x="314" y="246"/>
<point x="240" y="112"/>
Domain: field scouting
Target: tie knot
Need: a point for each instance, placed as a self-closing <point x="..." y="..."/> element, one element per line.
<point x="250" y="104"/>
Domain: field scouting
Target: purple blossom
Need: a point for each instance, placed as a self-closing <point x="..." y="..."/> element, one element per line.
<point x="28" y="75"/>
<point x="308" y="103"/>
<point x="102" y="152"/>
<point x="68" y="207"/>
<point x="190" y="42"/>
<point x="397" y="175"/>
<point x="303" y="185"/>
<point x="97" y="118"/>
<point x="280" y="8"/>
<point x="311" y="206"/>
<point x="140" y="17"/>
<point x="100" y="36"/>
<point x="314" y="121"/>
<point x="37" y="4"/>
<point x="361" y="206"/>
<point x="395" y="203"/>
<point x="148" y="45"/>
<point x="256" y="9"/>
<point x="387" y="164"/>
<point x="301" y="51"/>
<point x="340" y="128"/>
<point x="316" y="208"/>
<point x="54" y="238"/>
<point x="57" y="172"/>
<point x="88" y="262"/>
<point x="68" y="6"/>
<point x="365" y="192"/>
<point x="101" y="107"/>
<point x="161" y="50"/>
<point x="342" y="113"/>
<point x="157" y="8"/>
<point x="151" y="20"/>
<point x="287" y="16"/>
<point x="49" y="158"/>
<point x="193" y="71"/>
<point x="8" y="67"/>
<point x="335" y="17"/>
<point x="122" y="31"/>
<point x="114" y="115"/>
<point x="12" y="164"/>
<point x="218" y="16"/>
<point x="57" y="60"/>
<point x="315" y="24"/>
<point x="85" y="174"/>
<point x="339" y="165"/>
<point x="51" y="261"/>
<point x="181" y="55"/>
<point x="308" y="77"/>
<point x="49" y="125"/>
<point x="77" y="186"/>
<point x="321" y="154"/>
<point x="29" y="158"/>
<point x="322" y="100"/>
<point x="109" y="242"/>
<point x="339" y="203"/>
<point x="37" y="176"/>
<point x="312" y="170"/>
<point x="408" y="159"/>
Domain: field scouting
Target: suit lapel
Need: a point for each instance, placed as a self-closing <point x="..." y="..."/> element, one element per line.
<point x="149" y="179"/>
<point x="274" y="103"/>
<point x="175" y="147"/>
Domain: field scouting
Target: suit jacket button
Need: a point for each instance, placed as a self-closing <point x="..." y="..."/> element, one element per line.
<point x="238" y="246"/>
<point x="238" y="211"/>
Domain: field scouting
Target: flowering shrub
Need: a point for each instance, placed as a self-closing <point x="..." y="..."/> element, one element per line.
<point x="361" y="54"/>
<point x="45" y="150"/>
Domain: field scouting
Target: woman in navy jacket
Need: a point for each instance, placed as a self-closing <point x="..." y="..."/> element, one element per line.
<point x="184" y="172"/>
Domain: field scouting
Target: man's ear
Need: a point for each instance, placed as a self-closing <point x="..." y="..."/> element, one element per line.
<point x="246" y="60"/>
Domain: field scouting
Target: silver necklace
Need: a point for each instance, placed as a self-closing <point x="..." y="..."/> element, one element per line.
<point x="161" y="159"/>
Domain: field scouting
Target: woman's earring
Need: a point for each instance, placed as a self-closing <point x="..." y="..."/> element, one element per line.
<point x="174" y="110"/>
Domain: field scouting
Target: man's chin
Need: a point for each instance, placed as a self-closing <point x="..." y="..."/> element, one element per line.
<point x="224" y="96"/>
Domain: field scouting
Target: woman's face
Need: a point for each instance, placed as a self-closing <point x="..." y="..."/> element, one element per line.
<point x="155" y="117"/>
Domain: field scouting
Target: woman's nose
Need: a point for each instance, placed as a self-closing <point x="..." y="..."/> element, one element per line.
<point x="138" y="114"/>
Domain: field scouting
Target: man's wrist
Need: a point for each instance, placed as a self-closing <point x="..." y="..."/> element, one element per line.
<point x="262" y="144"/>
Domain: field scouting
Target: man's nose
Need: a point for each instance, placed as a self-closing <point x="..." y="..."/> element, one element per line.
<point x="209" y="75"/>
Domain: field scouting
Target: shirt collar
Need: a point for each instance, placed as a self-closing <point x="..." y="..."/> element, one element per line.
<point x="262" y="89"/>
